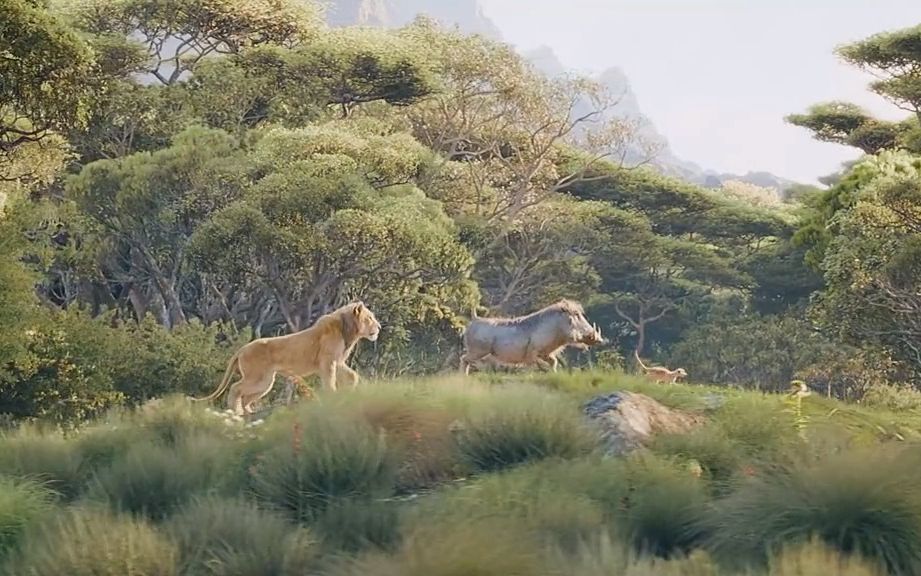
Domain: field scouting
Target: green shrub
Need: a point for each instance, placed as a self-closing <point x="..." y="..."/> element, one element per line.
<point x="89" y="542"/>
<point x="174" y="418"/>
<point x="154" y="479"/>
<point x="152" y="361"/>
<point x="863" y="501"/>
<point x="47" y="458"/>
<point x="21" y="504"/>
<point x="357" y="525"/>
<point x="516" y="428"/>
<point x="321" y="460"/>
<point x="234" y="538"/>
<point x="604" y="556"/>
<point x="62" y="376"/>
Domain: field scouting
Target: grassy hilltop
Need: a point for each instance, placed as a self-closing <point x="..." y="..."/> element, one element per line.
<point x="491" y="475"/>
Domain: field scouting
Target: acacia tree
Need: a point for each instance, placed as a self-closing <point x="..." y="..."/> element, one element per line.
<point x="176" y="35"/>
<point x="895" y="59"/>
<point x="43" y="69"/>
<point x="505" y="127"/>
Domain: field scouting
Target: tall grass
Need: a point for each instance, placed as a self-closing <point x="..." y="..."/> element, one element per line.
<point x="519" y="426"/>
<point x="154" y="480"/>
<point x="353" y="526"/>
<point x="22" y="503"/>
<point x="90" y="542"/>
<point x="45" y="457"/>
<point x="322" y="460"/>
<point x="865" y="502"/>
<point x="221" y="537"/>
<point x="482" y="548"/>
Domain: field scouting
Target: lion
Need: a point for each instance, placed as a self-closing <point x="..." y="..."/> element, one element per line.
<point x="321" y="349"/>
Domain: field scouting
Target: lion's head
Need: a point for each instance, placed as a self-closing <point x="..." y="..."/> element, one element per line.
<point x="366" y="323"/>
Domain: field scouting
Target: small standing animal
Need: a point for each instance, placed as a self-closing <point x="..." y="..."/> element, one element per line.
<point x="660" y="373"/>
<point x="321" y="349"/>
<point x="537" y="338"/>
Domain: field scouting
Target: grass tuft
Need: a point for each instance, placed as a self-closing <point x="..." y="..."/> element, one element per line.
<point x="322" y="460"/>
<point x="220" y="537"/>
<point x="91" y="542"/>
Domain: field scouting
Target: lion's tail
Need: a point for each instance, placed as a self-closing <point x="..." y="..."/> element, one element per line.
<point x="636" y="354"/>
<point x="232" y="366"/>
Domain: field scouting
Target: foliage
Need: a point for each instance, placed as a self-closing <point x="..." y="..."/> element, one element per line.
<point x="222" y="537"/>
<point x="317" y="463"/>
<point x="523" y="427"/>
<point x="90" y="542"/>
<point x="862" y="502"/>
<point x="155" y="480"/>
<point x="47" y="458"/>
<point x="22" y="503"/>
<point x="43" y="67"/>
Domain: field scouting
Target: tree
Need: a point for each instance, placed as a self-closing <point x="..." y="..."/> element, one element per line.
<point x="542" y="257"/>
<point x="870" y="260"/>
<point x="506" y="128"/>
<point x="179" y="34"/>
<point x="145" y="209"/>
<point x="895" y="58"/>
<point x="17" y="300"/>
<point x="850" y="125"/>
<point x="43" y="69"/>
<point x="334" y="215"/>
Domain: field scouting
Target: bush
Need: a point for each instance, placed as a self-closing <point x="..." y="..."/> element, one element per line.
<point x="322" y="459"/>
<point x="88" y="542"/>
<point x="21" y="504"/>
<point x="63" y="376"/>
<point x="152" y="361"/>
<point x="864" y="502"/>
<point x="47" y="458"/>
<point x="154" y="480"/>
<point x="516" y="428"/>
<point x="234" y="538"/>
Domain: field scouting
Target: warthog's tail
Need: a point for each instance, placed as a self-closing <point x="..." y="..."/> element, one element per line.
<point x="232" y="366"/>
<point x="636" y="354"/>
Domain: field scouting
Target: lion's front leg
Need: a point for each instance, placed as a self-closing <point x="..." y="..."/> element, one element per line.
<point x="328" y="375"/>
<point x="348" y="374"/>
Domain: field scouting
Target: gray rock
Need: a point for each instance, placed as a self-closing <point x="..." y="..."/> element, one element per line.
<point x="628" y="421"/>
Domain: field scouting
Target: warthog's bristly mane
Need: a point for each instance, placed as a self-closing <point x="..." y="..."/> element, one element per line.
<point x="568" y="307"/>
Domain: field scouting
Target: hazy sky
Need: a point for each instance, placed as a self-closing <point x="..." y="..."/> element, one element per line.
<point x="718" y="76"/>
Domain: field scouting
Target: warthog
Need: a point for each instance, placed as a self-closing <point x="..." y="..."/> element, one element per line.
<point x="537" y="338"/>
